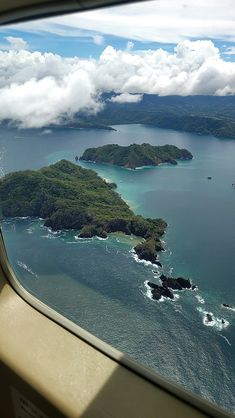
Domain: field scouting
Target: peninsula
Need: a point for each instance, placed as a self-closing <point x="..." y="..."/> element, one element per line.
<point x="71" y="197"/>
<point x="136" y="155"/>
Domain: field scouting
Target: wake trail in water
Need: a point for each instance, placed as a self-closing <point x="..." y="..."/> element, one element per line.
<point x="26" y="268"/>
<point x="226" y="339"/>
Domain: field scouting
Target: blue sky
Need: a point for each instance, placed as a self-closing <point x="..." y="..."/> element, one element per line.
<point x="149" y="25"/>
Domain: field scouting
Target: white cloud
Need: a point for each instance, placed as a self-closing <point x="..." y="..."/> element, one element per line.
<point x="129" y="45"/>
<point x="14" y="43"/>
<point x="157" y="21"/>
<point x="126" y="98"/>
<point x="38" y="89"/>
<point x="98" y="39"/>
<point x="230" y="50"/>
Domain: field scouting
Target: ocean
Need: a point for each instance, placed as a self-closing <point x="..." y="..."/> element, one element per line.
<point x="99" y="284"/>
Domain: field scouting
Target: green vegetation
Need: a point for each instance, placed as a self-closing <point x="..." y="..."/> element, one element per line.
<point x="70" y="197"/>
<point x="136" y="155"/>
<point x="202" y="115"/>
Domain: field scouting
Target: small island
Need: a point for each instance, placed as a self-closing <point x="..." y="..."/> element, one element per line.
<point x="68" y="196"/>
<point x="135" y="155"/>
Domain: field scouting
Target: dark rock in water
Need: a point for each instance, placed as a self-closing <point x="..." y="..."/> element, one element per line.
<point x="159" y="291"/>
<point x="194" y="287"/>
<point x="185" y="283"/>
<point x="223" y="321"/>
<point x="225" y="305"/>
<point x="176" y="284"/>
<point x="209" y="317"/>
<point x="209" y="177"/>
<point x="153" y="285"/>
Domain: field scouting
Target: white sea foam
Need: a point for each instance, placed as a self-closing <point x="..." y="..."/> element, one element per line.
<point x="178" y="308"/>
<point x="148" y="291"/>
<point x="144" y="167"/>
<point x="200" y="299"/>
<point x="230" y="308"/>
<point x="101" y="239"/>
<point x="107" y="249"/>
<point x="46" y="132"/>
<point x="138" y="260"/>
<point x="217" y="323"/>
<point x="29" y="230"/>
<point x="226" y="339"/>
<point x="83" y="239"/>
<point x="53" y="232"/>
<point x="77" y="238"/>
<point x="156" y="274"/>
<point x="27" y="268"/>
<point x="108" y="181"/>
<point x="48" y="236"/>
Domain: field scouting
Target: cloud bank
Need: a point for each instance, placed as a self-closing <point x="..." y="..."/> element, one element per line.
<point x="40" y="89"/>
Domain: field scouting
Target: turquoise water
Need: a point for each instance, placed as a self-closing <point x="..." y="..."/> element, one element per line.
<point x="90" y="279"/>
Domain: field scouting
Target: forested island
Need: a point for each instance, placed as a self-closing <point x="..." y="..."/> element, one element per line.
<point x="136" y="155"/>
<point x="71" y="197"/>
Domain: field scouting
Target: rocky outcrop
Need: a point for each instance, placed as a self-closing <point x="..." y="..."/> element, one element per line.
<point x="169" y="284"/>
<point x="209" y="318"/>
<point x="148" y="250"/>
<point x="176" y="284"/>
<point x="159" y="291"/>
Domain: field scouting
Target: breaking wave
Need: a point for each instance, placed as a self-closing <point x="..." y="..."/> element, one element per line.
<point x="210" y="320"/>
<point x="26" y="268"/>
<point x="200" y="299"/>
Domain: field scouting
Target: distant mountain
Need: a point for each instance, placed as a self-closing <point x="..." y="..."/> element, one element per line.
<point x="203" y="115"/>
<point x="135" y="155"/>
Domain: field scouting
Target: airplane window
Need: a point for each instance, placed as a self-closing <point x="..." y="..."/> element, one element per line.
<point x="117" y="191"/>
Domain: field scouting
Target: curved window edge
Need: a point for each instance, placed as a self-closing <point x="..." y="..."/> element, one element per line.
<point x="123" y="359"/>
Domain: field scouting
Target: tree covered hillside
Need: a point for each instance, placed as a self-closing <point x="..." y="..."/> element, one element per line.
<point x="135" y="155"/>
<point x="203" y="115"/>
<point x="70" y="197"/>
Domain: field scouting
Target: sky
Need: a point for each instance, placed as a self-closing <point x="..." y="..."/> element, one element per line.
<point x="52" y="68"/>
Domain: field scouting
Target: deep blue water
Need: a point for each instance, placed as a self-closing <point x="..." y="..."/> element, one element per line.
<point x="99" y="285"/>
